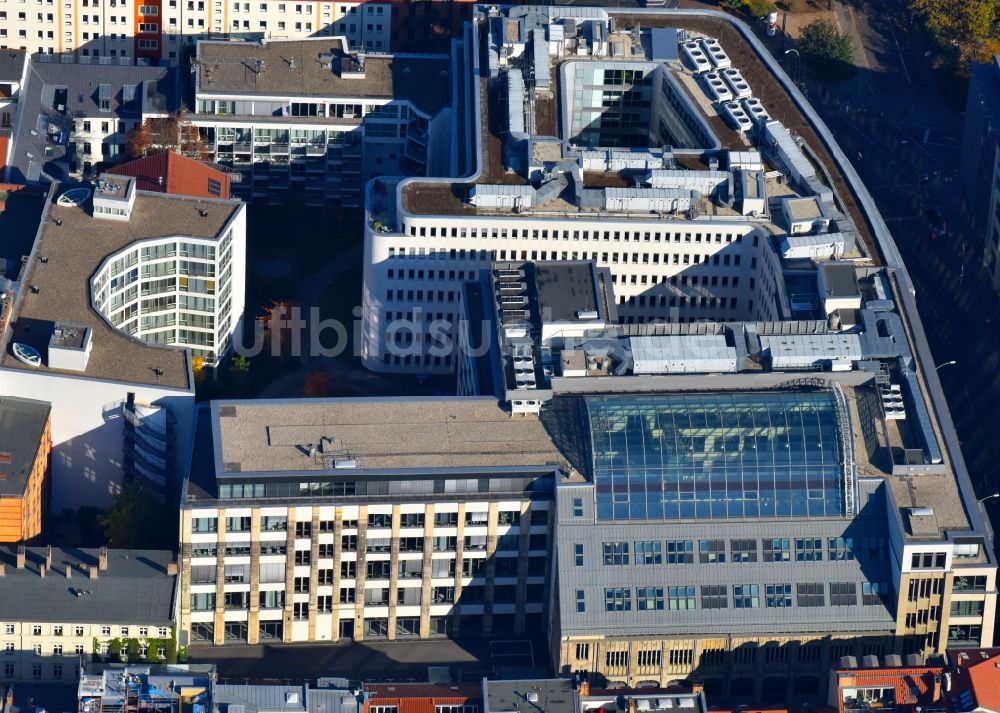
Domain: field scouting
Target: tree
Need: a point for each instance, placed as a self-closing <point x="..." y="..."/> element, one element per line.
<point x="967" y="26"/>
<point x="137" y="519"/>
<point x="758" y="8"/>
<point x="826" y="51"/>
<point x="169" y="133"/>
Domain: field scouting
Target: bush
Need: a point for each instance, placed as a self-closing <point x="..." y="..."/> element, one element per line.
<point x="757" y="8"/>
<point x="827" y="52"/>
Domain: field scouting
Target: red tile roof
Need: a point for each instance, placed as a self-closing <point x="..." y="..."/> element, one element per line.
<point x="169" y="172"/>
<point x="978" y="672"/>
<point x="421" y="697"/>
<point x="913" y="685"/>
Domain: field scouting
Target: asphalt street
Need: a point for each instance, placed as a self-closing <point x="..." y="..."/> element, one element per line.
<point x="900" y="121"/>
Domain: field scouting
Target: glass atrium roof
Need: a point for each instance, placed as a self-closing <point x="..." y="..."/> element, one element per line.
<point x="722" y="455"/>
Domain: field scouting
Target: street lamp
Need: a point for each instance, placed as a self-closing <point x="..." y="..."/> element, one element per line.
<point x="993" y="496"/>
<point x="947" y="363"/>
<point x="798" y="62"/>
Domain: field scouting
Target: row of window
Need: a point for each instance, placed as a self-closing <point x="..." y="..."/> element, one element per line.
<point x="274" y="572"/>
<point x="578" y="235"/>
<point x="810" y="549"/>
<point x="374" y="596"/>
<point x="743" y="596"/>
<point x="271" y="523"/>
<point x="55" y="671"/>
<point x="60" y="630"/>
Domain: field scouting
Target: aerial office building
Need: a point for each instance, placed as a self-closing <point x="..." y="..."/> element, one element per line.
<point x="584" y="136"/>
<point x="323" y="519"/>
<point x="314" y="117"/>
<point x="121" y="288"/>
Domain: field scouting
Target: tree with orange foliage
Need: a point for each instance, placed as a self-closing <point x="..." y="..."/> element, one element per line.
<point x="166" y="134"/>
<point x="317" y="385"/>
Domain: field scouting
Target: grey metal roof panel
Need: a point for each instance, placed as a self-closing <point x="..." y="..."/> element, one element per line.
<point x="254" y="698"/>
<point x="22" y="424"/>
<point x="135" y="588"/>
<point x="12" y="64"/>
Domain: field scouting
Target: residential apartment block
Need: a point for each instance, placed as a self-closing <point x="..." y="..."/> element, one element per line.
<point x="323" y="519"/>
<point x="312" y="117"/>
<point x="61" y="603"/>
<point x="615" y="148"/>
<point x="74" y="117"/>
<point x="121" y="287"/>
<point x="157" y="31"/>
<point x="25" y="444"/>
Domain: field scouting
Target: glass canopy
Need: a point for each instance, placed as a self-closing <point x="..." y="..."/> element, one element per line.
<point x="722" y="455"/>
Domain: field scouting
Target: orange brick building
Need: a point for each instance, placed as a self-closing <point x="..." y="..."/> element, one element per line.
<point x="169" y="172"/>
<point x="25" y="443"/>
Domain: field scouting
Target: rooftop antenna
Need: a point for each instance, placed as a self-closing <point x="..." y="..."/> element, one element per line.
<point x="203" y="213"/>
<point x="157" y="372"/>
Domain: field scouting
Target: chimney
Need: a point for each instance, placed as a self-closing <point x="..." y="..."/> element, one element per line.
<point x="93" y="571"/>
<point x="936" y="693"/>
<point x="48" y="556"/>
<point x="102" y="559"/>
<point x="41" y="570"/>
<point x="20" y="556"/>
<point x="172" y="569"/>
<point x="69" y="571"/>
<point x="584" y="688"/>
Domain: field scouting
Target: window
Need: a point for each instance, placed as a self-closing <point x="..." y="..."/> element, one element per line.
<point x="841" y="548"/>
<point x="578" y="555"/>
<point x="36" y="670"/>
<point x="972" y="608"/>
<point x="777" y="550"/>
<point x="582" y="652"/>
<point x="969" y="584"/>
<point x="648" y="553"/>
<point x="928" y="560"/>
<point x="809" y="549"/>
<point x="714" y="596"/>
<point x="965" y="634"/>
<point x="8" y="628"/>
<point x="681" y="597"/>
<point x="873" y="548"/>
<point x="577" y="507"/>
<point x="649" y="598"/>
<point x="36" y="630"/>
<point x="873" y="592"/>
<point x="616" y="659"/>
<point x="680" y="552"/>
<point x="648" y="658"/>
<point x="300" y="610"/>
<point x="581" y="601"/>
<point x="713" y="551"/>
<point x="57" y="650"/>
<point x="746" y="596"/>
<point x="618" y="599"/>
<point x="778" y="595"/>
<point x="744" y="550"/>
<point x="57" y="630"/>
<point x="106" y="630"/>
<point x="843" y="594"/>
<point x="78" y="631"/>
<point x="214" y="187"/>
<point x="810" y="595"/>
<point x="615" y="553"/>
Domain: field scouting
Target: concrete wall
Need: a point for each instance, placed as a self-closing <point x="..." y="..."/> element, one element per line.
<point x="87" y="430"/>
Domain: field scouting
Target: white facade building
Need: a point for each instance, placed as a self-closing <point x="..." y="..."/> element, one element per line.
<point x="313" y="115"/>
<point x="122" y="400"/>
<point x="630" y="178"/>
